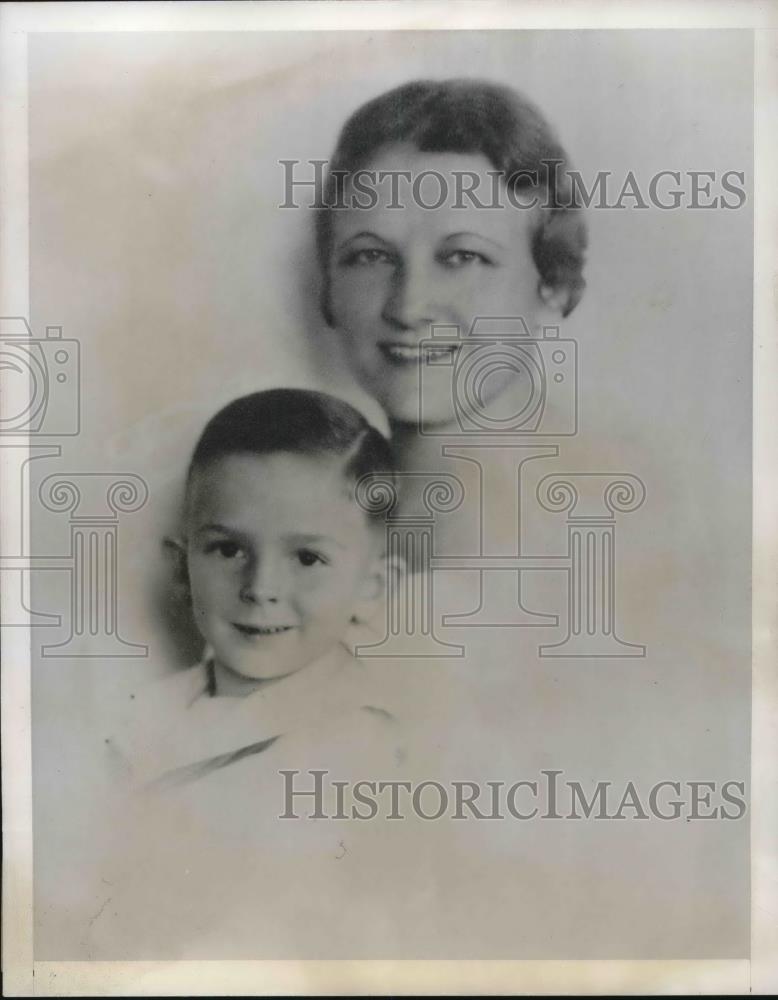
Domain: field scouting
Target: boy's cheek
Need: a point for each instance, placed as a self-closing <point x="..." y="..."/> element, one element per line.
<point x="205" y="603"/>
<point x="323" y="609"/>
<point x="331" y="611"/>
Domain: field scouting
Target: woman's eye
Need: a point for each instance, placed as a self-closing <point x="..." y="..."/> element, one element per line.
<point x="368" y="257"/>
<point x="463" y="258"/>
<point x="307" y="557"/>
<point x="225" y="549"/>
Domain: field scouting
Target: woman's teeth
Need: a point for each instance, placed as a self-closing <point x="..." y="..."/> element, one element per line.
<point x="262" y="629"/>
<point x="403" y="353"/>
<point x="411" y="353"/>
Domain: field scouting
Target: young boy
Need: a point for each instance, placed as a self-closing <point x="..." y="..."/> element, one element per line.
<point x="279" y="561"/>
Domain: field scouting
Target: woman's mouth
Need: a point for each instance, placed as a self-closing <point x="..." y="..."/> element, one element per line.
<point x="400" y="354"/>
<point x="250" y="631"/>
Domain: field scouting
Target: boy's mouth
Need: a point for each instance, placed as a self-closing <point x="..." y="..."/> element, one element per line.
<point x="255" y="630"/>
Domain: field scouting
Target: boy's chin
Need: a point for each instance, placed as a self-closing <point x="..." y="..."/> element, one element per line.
<point x="258" y="672"/>
<point x="237" y="675"/>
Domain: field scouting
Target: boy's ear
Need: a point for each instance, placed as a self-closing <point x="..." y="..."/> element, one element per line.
<point x="383" y="576"/>
<point x="175" y="549"/>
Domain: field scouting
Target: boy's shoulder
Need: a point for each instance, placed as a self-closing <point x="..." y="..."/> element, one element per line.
<point x="146" y="717"/>
<point x="148" y="694"/>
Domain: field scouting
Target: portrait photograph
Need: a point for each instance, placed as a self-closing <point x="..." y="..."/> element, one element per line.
<point x="386" y="518"/>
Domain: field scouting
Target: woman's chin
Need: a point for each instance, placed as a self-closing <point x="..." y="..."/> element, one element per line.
<point x="404" y="408"/>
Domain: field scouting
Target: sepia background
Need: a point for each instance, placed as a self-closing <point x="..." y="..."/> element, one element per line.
<point x="157" y="243"/>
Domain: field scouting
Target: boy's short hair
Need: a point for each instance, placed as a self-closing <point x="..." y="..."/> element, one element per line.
<point x="470" y="116"/>
<point x="298" y="422"/>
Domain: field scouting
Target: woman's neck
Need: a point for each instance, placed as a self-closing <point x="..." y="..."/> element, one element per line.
<point x="420" y="452"/>
<point x="421" y="458"/>
<point x="464" y="468"/>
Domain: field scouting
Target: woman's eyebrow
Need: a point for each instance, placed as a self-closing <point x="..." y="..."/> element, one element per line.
<point x="205" y="528"/>
<point x="478" y="236"/>
<point x="364" y="234"/>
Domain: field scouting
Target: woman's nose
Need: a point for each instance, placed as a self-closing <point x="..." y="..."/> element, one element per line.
<point x="409" y="305"/>
<point x="261" y="583"/>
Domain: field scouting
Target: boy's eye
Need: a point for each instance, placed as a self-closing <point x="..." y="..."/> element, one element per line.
<point x="455" y="259"/>
<point x="307" y="557"/>
<point x="367" y="257"/>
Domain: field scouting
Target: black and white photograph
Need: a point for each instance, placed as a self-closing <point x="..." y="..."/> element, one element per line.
<point x="387" y="537"/>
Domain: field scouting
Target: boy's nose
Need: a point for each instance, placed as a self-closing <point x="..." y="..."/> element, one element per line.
<point x="261" y="583"/>
<point x="251" y="594"/>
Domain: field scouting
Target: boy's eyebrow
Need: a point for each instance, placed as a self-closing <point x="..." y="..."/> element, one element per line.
<point x="300" y="539"/>
<point x="303" y="539"/>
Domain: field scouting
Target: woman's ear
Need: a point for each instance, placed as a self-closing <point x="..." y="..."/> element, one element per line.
<point x="554" y="299"/>
<point x="175" y="549"/>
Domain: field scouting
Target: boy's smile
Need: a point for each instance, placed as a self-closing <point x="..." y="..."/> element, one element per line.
<point x="279" y="556"/>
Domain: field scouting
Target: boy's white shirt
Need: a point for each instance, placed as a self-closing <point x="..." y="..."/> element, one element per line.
<point x="162" y="725"/>
<point x="208" y="865"/>
<point x="175" y="723"/>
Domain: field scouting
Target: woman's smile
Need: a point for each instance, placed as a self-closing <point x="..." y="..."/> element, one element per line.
<point x="261" y="631"/>
<point x="397" y="277"/>
<point x="403" y="354"/>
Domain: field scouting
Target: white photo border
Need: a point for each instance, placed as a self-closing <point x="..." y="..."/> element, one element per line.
<point x="25" y="977"/>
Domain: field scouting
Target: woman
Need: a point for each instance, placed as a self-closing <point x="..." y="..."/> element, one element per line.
<point x="492" y="266"/>
<point x="390" y="275"/>
<point x="502" y="252"/>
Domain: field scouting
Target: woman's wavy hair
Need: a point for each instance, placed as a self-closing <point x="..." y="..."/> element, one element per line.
<point x="469" y="116"/>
